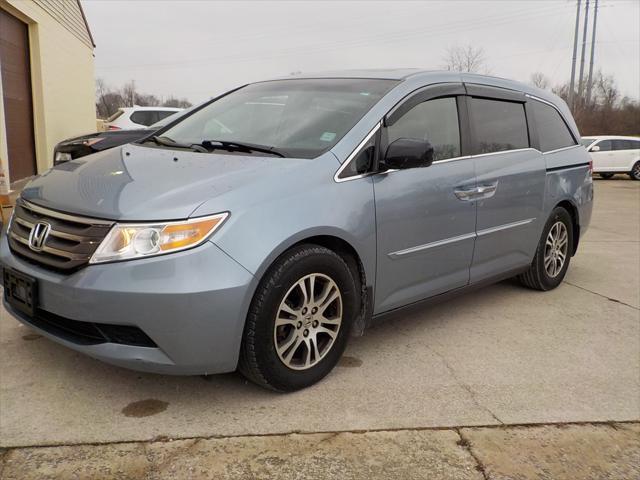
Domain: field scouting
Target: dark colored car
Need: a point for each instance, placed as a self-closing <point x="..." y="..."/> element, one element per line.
<point x="84" y="145"/>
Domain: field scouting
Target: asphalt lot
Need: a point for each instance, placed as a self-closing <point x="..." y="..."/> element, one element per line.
<point x="502" y="355"/>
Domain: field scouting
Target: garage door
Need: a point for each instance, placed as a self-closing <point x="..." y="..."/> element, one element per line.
<point x="16" y="92"/>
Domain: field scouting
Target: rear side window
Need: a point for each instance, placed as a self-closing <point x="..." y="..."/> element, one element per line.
<point x="626" y="144"/>
<point x="498" y="125"/>
<point x="144" y="117"/>
<point x="553" y="132"/>
<point x="435" y="121"/>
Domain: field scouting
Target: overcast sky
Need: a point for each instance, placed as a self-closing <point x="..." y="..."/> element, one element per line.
<point x="197" y="49"/>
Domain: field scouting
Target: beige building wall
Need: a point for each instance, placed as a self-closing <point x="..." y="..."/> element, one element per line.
<point x="62" y="73"/>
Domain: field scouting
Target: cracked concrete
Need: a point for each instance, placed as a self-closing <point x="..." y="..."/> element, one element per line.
<point x="469" y="390"/>
<point x="575" y="452"/>
<point x="503" y="354"/>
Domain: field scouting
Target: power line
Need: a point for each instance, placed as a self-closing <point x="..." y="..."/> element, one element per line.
<point x="593" y="46"/>
<point x="575" y="54"/>
<point x="584" y="46"/>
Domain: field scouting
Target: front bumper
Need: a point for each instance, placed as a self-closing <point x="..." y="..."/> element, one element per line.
<point x="191" y="304"/>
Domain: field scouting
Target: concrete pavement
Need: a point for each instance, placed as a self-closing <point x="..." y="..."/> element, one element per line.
<point x="575" y="452"/>
<point x="501" y="355"/>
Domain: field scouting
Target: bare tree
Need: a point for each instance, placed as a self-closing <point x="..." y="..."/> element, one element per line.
<point x="176" y="102"/>
<point x="608" y="113"/>
<point x="466" y="59"/>
<point x="540" y="80"/>
<point x="109" y="100"/>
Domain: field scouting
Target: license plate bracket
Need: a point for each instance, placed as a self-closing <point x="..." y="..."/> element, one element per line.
<point x="20" y="291"/>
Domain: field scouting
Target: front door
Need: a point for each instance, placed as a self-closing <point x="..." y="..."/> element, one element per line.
<point x="15" y="75"/>
<point x="425" y="232"/>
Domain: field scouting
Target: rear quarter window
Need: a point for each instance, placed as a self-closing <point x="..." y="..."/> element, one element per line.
<point x="553" y="132"/>
<point x="498" y="125"/>
<point x="144" y="117"/>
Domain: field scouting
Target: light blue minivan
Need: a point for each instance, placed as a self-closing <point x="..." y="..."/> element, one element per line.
<point x="261" y="229"/>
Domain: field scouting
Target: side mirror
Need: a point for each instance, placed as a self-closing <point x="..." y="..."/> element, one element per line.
<point x="406" y="153"/>
<point x="595" y="148"/>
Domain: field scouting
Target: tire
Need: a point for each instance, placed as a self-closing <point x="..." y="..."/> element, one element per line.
<point x="635" y="171"/>
<point x="539" y="276"/>
<point x="263" y="356"/>
<point x="606" y="176"/>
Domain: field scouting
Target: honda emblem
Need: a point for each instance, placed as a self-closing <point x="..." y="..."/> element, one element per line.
<point x="38" y="236"/>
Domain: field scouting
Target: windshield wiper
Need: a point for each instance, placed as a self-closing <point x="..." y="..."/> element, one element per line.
<point x="167" y="142"/>
<point x="239" y="146"/>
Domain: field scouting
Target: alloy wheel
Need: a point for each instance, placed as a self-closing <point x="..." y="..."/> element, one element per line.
<point x="308" y="321"/>
<point x="555" y="249"/>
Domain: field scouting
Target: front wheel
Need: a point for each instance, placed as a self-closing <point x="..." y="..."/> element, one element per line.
<point x="635" y="171"/>
<point x="551" y="260"/>
<point x="299" y="320"/>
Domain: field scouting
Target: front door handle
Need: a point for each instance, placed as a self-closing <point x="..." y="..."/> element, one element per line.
<point x="487" y="191"/>
<point x="477" y="193"/>
<point x="466" y="194"/>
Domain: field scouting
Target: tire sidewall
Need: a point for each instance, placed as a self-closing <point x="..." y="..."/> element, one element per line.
<point x="632" y="174"/>
<point x="548" y="282"/>
<point x="278" y="282"/>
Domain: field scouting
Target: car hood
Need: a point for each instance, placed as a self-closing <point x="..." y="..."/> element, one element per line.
<point x="140" y="183"/>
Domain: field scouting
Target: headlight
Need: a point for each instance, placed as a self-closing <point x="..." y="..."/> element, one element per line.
<point x="62" y="157"/>
<point x="128" y="241"/>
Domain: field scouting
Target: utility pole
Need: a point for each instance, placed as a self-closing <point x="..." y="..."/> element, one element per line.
<point x="593" y="46"/>
<point x="575" y="54"/>
<point x="584" y="47"/>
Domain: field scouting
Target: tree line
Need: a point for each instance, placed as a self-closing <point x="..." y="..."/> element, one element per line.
<point x="109" y="100"/>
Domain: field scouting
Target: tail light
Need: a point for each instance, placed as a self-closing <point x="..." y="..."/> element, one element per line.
<point x="590" y="166"/>
<point x="111" y="127"/>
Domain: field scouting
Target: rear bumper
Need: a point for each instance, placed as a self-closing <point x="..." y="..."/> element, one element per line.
<point x="191" y="305"/>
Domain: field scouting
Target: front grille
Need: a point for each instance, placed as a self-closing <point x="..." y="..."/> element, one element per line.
<point x="71" y="240"/>
<point x="89" y="333"/>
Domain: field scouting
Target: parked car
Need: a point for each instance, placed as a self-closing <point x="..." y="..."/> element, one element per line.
<point x="131" y="118"/>
<point x="266" y="225"/>
<point x="96" y="142"/>
<point x="614" y="154"/>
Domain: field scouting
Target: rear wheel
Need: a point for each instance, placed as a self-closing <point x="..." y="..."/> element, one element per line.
<point x="635" y="171"/>
<point x="299" y="321"/>
<point x="606" y="176"/>
<point x="553" y="253"/>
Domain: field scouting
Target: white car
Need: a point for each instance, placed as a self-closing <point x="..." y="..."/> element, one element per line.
<point x="128" y="118"/>
<point x="614" y="154"/>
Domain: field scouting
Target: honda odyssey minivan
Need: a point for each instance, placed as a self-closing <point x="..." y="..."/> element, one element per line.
<point x="267" y="225"/>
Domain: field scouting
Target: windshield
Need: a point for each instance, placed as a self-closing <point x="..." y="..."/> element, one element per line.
<point x="299" y="118"/>
<point x="586" y="141"/>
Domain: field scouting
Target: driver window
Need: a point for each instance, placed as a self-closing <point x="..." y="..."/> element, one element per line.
<point x="605" y="145"/>
<point x="435" y="121"/>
